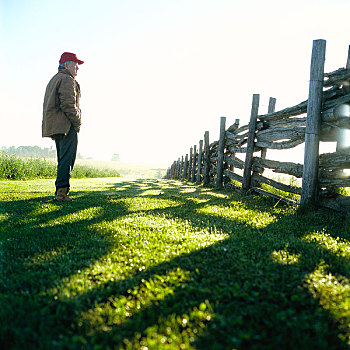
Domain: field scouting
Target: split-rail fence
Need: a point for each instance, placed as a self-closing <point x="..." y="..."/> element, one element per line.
<point x="324" y="117"/>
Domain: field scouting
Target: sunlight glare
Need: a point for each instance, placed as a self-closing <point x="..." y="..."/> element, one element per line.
<point x="344" y="137"/>
<point x="342" y="111"/>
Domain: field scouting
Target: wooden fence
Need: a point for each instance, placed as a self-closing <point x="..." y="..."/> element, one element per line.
<point x="324" y="117"/>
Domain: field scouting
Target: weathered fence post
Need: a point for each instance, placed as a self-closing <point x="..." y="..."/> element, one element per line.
<point x="247" y="173"/>
<point x="172" y="171"/>
<point x="343" y="142"/>
<point x="309" y="191"/>
<point x="189" y="170"/>
<point x="221" y="147"/>
<point x="184" y="175"/>
<point x="206" y="169"/>
<point x="233" y="154"/>
<point x="194" y="163"/>
<point x="271" y="109"/>
<point x="181" y="167"/>
<point x="176" y="168"/>
<point x="348" y="60"/>
<point x="199" y="168"/>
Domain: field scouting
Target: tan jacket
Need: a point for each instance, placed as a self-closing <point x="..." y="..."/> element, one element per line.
<point x="61" y="105"/>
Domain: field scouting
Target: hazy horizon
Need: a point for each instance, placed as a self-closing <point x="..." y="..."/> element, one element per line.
<point x="158" y="74"/>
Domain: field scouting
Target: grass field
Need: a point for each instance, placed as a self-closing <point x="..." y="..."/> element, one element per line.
<point x="128" y="169"/>
<point x="17" y="168"/>
<point x="157" y="264"/>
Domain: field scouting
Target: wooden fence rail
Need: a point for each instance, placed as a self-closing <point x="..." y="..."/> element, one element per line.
<point x="324" y="117"/>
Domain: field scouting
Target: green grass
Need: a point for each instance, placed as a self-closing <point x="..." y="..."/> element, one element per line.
<point x="159" y="264"/>
<point x="16" y="168"/>
<point x="287" y="180"/>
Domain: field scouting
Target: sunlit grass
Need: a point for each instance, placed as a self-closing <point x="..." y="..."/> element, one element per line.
<point x="283" y="256"/>
<point x="161" y="264"/>
<point x="334" y="295"/>
<point x="239" y="213"/>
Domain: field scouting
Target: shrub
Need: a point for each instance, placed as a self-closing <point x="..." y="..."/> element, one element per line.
<point x="15" y="168"/>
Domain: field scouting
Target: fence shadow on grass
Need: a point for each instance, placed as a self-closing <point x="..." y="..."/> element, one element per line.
<point x="257" y="301"/>
<point x="252" y="286"/>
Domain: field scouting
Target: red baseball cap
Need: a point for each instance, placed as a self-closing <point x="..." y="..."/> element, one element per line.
<point x="68" y="56"/>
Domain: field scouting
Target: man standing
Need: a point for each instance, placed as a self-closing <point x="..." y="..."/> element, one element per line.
<point x="62" y="119"/>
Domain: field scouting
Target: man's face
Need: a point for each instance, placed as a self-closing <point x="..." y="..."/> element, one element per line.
<point x="72" y="68"/>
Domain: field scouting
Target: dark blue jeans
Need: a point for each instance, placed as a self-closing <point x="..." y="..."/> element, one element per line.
<point x="66" y="147"/>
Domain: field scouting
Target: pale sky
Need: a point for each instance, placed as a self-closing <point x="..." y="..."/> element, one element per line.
<point x="159" y="73"/>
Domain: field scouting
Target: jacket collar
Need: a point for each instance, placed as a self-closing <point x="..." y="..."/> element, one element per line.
<point x="65" y="71"/>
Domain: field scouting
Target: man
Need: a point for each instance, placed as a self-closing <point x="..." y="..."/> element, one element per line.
<point x="62" y="119"/>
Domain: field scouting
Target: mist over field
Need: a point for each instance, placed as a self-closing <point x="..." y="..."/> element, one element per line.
<point x="129" y="169"/>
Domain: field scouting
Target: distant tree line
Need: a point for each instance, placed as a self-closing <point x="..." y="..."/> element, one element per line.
<point x="115" y="157"/>
<point x="33" y="151"/>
